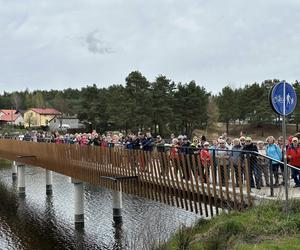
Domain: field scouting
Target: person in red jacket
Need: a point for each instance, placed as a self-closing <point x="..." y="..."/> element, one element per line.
<point x="205" y="155"/>
<point x="293" y="156"/>
<point x="205" y="160"/>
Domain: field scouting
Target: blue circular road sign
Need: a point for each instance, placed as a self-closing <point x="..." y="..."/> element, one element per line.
<point x="283" y="104"/>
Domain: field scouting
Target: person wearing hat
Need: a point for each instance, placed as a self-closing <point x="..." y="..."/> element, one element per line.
<point x="293" y="156"/>
<point x="205" y="155"/>
<point x="205" y="160"/>
<point x="253" y="168"/>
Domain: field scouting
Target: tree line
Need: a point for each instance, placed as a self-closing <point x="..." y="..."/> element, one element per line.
<point x="251" y="104"/>
<point x="161" y="106"/>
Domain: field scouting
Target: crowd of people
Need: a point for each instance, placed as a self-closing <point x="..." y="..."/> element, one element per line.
<point x="264" y="158"/>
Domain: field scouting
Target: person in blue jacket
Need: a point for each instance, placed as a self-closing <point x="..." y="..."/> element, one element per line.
<point x="274" y="151"/>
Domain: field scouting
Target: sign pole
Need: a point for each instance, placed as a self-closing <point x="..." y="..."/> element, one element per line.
<point x="285" y="179"/>
<point x="283" y="100"/>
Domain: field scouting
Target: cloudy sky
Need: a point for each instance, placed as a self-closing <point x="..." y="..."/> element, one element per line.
<point x="62" y="43"/>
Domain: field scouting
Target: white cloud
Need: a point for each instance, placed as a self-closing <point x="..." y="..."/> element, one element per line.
<point x="96" y="45"/>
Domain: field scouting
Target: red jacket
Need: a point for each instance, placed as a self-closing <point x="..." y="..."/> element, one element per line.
<point x="293" y="156"/>
<point x="205" y="157"/>
<point x="174" y="152"/>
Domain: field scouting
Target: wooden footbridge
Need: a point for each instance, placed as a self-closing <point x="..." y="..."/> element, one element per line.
<point x="181" y="181"/>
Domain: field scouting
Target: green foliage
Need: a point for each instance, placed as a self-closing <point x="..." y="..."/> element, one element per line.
<point x="161" y="106"/>
<point x="250" y="104"/>
<point x="189" y="108"/>
<point x="116" y="108"/>
<point x="261" y="226"/>
<point x="5" y="163"/>
<point x="275" y="244"/>
<point x="162" y="98"/>
<point x="227" y="105"/>
<point x="138" y="101"/>
<point x="184" y="238"/>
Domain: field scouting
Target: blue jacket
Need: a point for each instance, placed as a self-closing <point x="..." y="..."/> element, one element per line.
<point x="147" y="144"/>
<point x="274" y="152"/>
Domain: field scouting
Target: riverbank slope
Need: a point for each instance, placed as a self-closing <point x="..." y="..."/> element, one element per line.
<point x="256" y="132"/>
<point x="263" y="227"/>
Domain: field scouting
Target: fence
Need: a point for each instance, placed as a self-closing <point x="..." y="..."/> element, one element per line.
<point x="205" y="181"/>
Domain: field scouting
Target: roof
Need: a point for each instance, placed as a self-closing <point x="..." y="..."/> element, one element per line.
<point x="8" y="111"/>
<point x="9" y="115"/>
<point x="47" y="111"/>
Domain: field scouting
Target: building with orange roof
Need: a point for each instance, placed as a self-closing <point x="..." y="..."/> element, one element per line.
<point x="11" y="116"/>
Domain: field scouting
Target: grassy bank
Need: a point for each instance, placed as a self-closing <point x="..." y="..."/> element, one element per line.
<point x="263" y="227"/>
<point x="5" y="163"/>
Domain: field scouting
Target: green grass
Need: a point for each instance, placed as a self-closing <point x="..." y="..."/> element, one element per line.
<point x="5" y="163"/>
<point x="289" y="244"/>
<point x="263" y="227"/>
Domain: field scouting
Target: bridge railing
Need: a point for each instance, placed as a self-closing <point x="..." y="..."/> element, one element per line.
<point x="202" y="181"/>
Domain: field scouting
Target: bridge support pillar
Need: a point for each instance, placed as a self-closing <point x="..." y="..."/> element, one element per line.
<point x="78" y="203"/>
<point x="14" y="170"/>
<point x="117" y="203"/>
<point x="48" y="182"/>
<point x="21" y="179"/>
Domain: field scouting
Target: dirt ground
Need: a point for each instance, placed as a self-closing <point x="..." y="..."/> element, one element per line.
<point x="256" y="133"/>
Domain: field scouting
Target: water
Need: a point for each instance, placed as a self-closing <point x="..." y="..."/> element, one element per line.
<point x="41" y="222"/>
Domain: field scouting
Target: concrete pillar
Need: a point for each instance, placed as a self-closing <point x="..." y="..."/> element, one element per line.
<point x="14" y="170"/>
<point x="21" y="179"/>
<point x="78" y="203"/>
<point x="117" y="203"/>
<point x="48" y="182"/>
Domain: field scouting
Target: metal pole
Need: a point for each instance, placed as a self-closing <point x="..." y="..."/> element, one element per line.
<point x="14" y="170"/>
<point x="78" y="203"/>
<point x="284" y="152"/>
<point x="271" y="179"/>
<point x="48" y="182"/>
<point x="21" y="179"/>
<point x="117" y="203"/>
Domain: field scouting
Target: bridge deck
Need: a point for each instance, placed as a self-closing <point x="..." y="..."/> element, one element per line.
<point x="182" y="182"/>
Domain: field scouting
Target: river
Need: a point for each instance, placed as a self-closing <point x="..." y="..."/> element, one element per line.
<point x="41" y="222"/>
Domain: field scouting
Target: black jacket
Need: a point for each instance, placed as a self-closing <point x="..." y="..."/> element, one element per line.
<point x="253" y="148"/>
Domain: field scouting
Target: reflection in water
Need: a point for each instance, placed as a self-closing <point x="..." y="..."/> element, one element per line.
<point x="14" y="185"/>
<point x="38" y="221"/>
<point x="118" y="234"/>
<point x="79" y="238"/>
